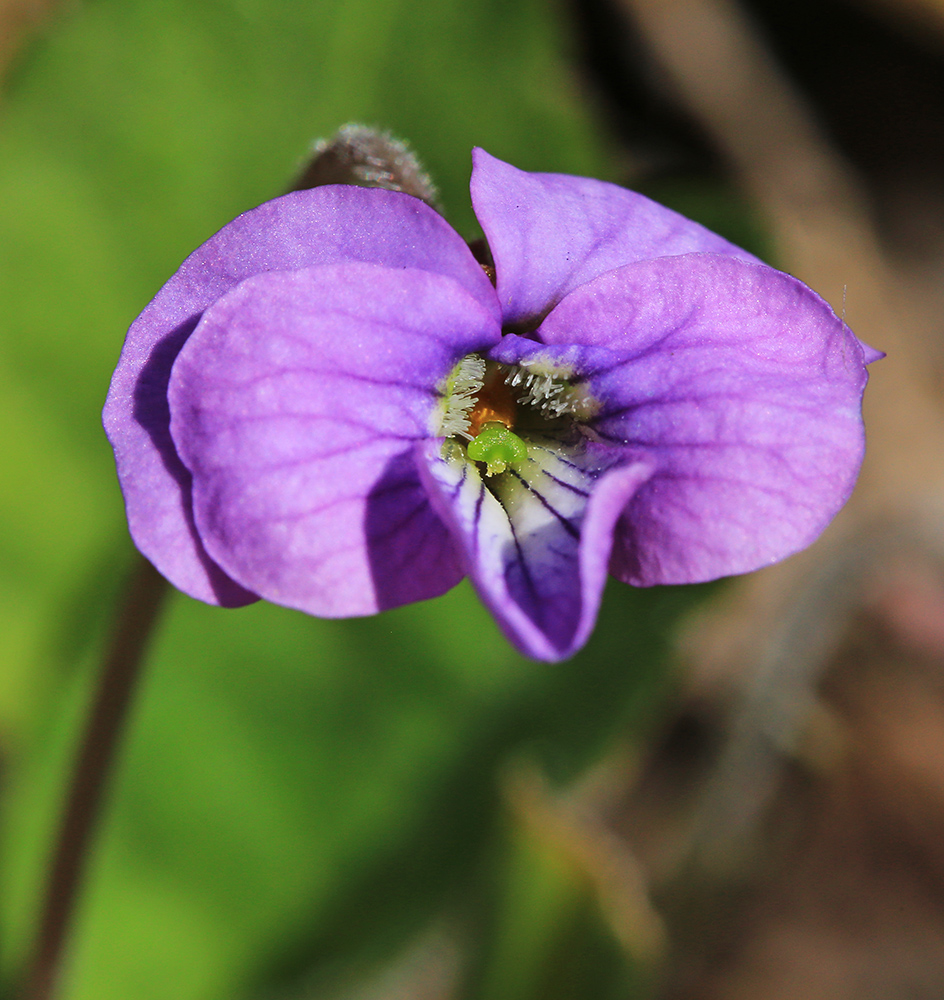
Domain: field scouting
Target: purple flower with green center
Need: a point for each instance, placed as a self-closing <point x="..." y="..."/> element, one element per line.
<point x="332" y="406"/>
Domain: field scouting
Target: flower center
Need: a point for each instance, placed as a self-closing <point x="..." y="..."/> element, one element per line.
<point x="491" y="410"/>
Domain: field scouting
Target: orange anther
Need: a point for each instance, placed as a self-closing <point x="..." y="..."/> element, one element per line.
<point x="495" y="403"/>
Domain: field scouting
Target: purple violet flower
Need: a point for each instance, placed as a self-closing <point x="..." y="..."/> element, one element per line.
<point x="331" y="406"/>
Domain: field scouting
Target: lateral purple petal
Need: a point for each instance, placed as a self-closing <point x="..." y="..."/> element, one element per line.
<point x="744" y="390"/>
<point x="323" y="225"/>
<point x="296" y="404"/>
<point x="550" y="233"/>
<point x="536" y="539"/>
<point x="573" y="360"/>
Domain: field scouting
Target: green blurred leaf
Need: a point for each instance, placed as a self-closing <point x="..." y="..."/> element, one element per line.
<point x="293" y="790"/>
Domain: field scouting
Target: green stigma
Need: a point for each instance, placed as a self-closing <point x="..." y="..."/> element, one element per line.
<point x="497" y="447"/>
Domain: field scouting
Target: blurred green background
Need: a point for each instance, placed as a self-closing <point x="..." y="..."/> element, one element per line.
<point x="297" y="800"/>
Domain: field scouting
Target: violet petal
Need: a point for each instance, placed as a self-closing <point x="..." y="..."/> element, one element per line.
<point x="296" y="404"/>
<point x="550" y="233"/>
<point x="571" y="360"/>
<point x="744" y="389"/>
<point x="537" y="538"/>
<point x="319" y="226"/>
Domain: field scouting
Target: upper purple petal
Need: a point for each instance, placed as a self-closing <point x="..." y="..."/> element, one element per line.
<point x="742" y="387"/>
<point x="296" y="404"/>
<point x="536" y="539"/>
<point x="323" y="225"/>
<point x="550" y="233"/>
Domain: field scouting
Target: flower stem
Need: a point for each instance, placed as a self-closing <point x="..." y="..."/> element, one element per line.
<point x="136" y="618"/>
